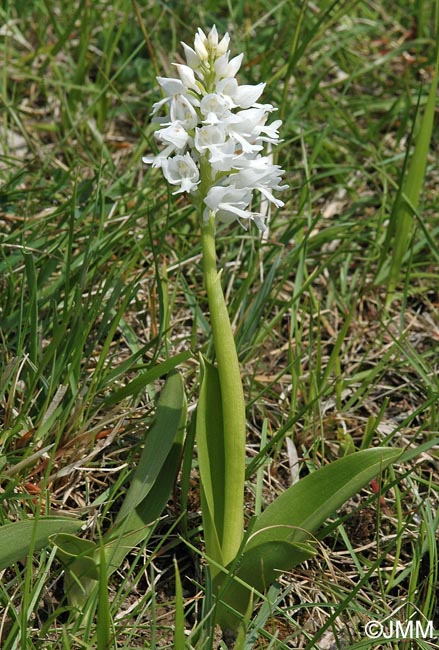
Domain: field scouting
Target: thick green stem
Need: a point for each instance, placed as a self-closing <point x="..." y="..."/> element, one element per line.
<point x="232" y="399"/>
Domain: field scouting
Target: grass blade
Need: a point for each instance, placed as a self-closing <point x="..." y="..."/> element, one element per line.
<point x="103" y="612"/>
<point x="412" y="188"/>
<point x="179" y="638"/>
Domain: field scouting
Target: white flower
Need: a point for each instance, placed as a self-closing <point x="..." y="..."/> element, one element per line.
<point x="192" y="58"/>
<point x="215" y="108"/>
<point x="270" y="130"/>
<point x="200" y="45"/>
<point x="176" y="138"/>
<point x="228" y="203"/>
<point x="249" y="129"/>
<point x="262" y="178"/>
<point x="223" y="157"/>
<point x="223" y="45"/>
<point x="174" y="135"/>
<point x="207" y="44"/>
<point x="212" y="39"/>
<point x="245" y="128"/>
<point x="208" y="136"/>
<point x="187" y="76"/>
<point x="242" y="96"/>
<point x="226" y="68"/>
<point x="156" y="161"/>
<point x="181" y="170"/>
<point x="182" y="111"/>
<point x="214" y="133"/>
<point x="172" y="86"/>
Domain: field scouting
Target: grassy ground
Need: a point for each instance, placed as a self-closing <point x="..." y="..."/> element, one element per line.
<point x="100" y="281"/>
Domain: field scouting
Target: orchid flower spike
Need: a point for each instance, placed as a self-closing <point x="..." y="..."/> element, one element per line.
<point x="215" y="132"/>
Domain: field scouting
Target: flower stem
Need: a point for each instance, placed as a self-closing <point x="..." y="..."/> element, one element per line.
<point x="232" y="399"/>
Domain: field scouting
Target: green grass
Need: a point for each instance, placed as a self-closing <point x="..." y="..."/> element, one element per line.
<point x="101" y="288"/>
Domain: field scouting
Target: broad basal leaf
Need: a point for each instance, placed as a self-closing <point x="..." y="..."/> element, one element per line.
<point x="154" y="477"/>
<point x="309" y="502"/>
<point x="19" y="537"/>
<point x="148" y="494"/>
<point x="169" y="420"/>
<point x="281" y="534"/>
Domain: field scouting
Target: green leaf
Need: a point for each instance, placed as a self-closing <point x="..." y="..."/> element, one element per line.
<point x="138" y="525"/>
<point x="147" y="495"/>
<point x="171" y="414"/>
<point x="73" y="550"/>
<point x="210" y="446"/>
<point x="81" y="559"/>
<point x="258" y="569"/>
<point x="230" y="525"/>
<point x="280" y="536"/>
<point x="154" y="477"/>
<point x="19" y="537"/>
<point x="309" y="502"/>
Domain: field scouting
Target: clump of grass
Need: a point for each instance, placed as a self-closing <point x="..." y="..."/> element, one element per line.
<point x="99" y="284"/>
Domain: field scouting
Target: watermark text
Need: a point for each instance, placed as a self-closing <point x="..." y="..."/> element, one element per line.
<point x="395" y="629"/>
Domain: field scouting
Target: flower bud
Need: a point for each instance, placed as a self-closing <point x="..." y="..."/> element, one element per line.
<point x="200" y="47"/>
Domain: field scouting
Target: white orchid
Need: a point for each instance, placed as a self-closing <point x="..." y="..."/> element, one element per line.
<point x="182" y="111"/>
<point x="215" y="108"/>
<point x="208" y="137"/>
<point x="223" y="157"/>
<point x="181" y="170"/>
<point x="242" y="96"/>
<point x="228" y="203"/>
<point x="215" y="133"/>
